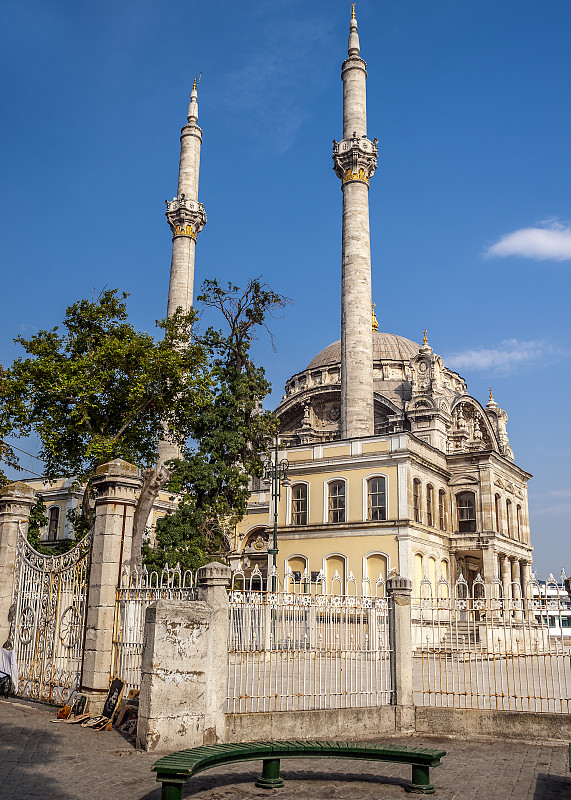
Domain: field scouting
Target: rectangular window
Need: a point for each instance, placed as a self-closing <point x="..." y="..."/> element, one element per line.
<point x="466" y="505"/>
<point x="337" y="501"/>
<point x="441" y="511"/>
<point x="429" y="495"/>
<point x="376" y="500"/>
<point x="299" y="504"/>
<point x="416" y="499"/>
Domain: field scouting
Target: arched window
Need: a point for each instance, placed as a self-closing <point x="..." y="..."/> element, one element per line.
<point x="53" y="524"/>
<point x="416" y="499"/>
<point x="442" y="509"/>
<point x="376" y="499"/>
<point x="375" y="567"/>
<point x="335" y="565"/>
<point x="466" y="505"/>
<point x="509" y="517"/>
<point x="299" y="504"/>
<point x="518" y="521"/>
<point x="418" y="572"/>
<point x="429" y="504"/>
<point x="336" y="501"/>
<point x="497" y="510"/>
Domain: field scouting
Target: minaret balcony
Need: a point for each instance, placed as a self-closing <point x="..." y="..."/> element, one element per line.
<point x="186" y="217"/>
<point x="355" y="159"/>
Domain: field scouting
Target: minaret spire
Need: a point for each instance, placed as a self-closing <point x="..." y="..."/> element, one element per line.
<point x="185" y="215"/>
<point x="355" y="160"/>
<point x="186" y="218"/>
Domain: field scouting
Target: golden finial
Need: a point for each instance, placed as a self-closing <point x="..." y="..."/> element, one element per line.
<point x="353" y="11"/>
<point x="194" y="84"/>
<point x="374" y="319"/>
<point x="491" y="396"/>
<point x="424" y="339"/>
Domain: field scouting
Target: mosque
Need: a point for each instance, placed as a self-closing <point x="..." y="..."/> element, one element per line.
<point x="393" y="466"/>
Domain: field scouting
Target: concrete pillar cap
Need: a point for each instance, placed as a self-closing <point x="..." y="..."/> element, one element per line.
<point x="118" y="467"/>
<point x="18" y="489"/>
<point x="399" y="585"/>
<point x="214" y="574"/>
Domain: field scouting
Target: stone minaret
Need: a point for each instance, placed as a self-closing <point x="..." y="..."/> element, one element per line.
<point x="186" y="217"/>
<point x="355" y="160"/>
<point x="185" y="214"/>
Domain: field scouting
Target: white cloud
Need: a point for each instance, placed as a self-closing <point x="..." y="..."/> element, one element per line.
<point x="506" y="357"/>
<point x="551" y="242"/>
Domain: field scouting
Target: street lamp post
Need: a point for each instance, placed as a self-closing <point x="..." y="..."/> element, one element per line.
<point x="275" y="472"/>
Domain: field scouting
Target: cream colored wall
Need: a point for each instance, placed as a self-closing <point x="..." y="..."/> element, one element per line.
<point x="354" y="548"/>
<point x="354" y="493"/>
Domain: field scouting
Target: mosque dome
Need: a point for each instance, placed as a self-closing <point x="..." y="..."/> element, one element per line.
<point x="386" y="347"/>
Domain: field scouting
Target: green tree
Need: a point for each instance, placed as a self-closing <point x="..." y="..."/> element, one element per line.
<point x="229" y="435"/>
<point x="102" y="390"/>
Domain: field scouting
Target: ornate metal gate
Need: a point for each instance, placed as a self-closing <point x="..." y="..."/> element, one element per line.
<point x="50" y="594"/>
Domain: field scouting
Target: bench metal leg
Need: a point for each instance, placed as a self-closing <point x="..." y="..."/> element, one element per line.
<point x="172" y="787"/>
<point x="420" y="780"/>
<point x="270" y="777"/>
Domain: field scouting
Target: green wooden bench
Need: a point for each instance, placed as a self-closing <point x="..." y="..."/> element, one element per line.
<point x="174" y="770"/>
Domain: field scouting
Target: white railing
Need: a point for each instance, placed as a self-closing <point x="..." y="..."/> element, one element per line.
<point x="476" y="648"/>
<point x="298" y="646"/>
<point x="136" y="592"/>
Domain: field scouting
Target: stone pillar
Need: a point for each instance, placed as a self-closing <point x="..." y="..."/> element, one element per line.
<point x="185" y="667"/>
<point x="506" y="579"/>
<point x="516" y="588"/>
<point x="489" y="567"/>
<point x="16" y="501"/>
<point x="355" y="160"/>
<point x="116" y="484"/>
<point x="399" y="591"/>
<point x="525" y="586"/>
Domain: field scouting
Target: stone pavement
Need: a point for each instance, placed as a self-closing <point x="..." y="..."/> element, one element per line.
<point x="66" y="762"/>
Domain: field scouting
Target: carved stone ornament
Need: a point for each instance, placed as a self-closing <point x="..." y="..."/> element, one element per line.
<point x="355" y="159"/>
<point x="185" y="217"/>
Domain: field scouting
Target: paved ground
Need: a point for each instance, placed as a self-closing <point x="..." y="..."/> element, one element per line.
<point x="67" y="762"/>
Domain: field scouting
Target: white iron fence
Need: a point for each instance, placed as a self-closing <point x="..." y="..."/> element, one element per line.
<point x="301" y="647"/>
<point x="480" y="649"/>
<point x="136" y="592"/>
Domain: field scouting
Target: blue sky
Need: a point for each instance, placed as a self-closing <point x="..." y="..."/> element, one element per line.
<point x="470" y="206"/>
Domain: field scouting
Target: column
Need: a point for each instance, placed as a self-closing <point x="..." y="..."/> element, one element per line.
<point x="506" y="579"/>
<point x="399" y="591"/>
<point x="525" y="567"/>
<point x="16" y="502"/>
<point x="116" y="484"/>
<point x="516" y="588"/>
